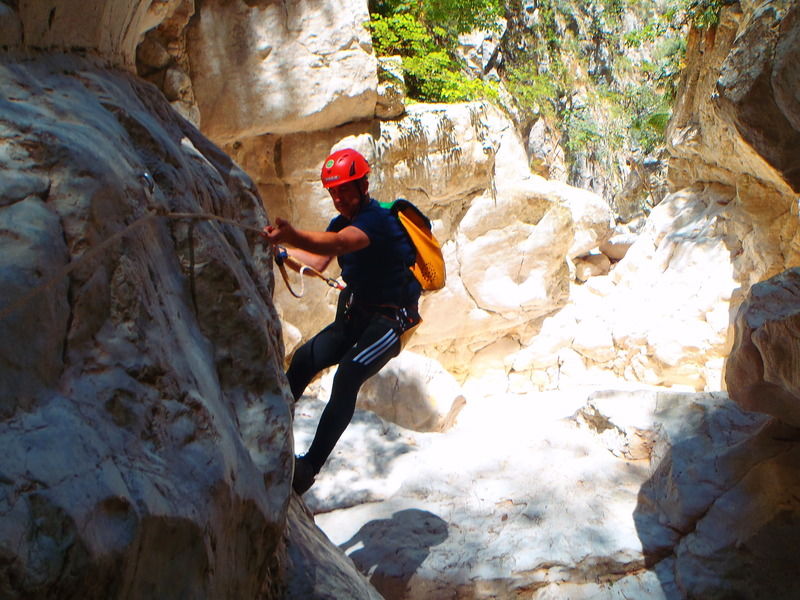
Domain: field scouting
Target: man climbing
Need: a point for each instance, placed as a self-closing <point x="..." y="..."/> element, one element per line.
<point x="377" y="306"/>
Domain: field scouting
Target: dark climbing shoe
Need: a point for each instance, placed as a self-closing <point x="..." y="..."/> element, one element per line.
<point x="303" y="475"/>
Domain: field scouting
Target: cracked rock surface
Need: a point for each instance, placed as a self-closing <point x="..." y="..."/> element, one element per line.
<point x="142" y="408"/>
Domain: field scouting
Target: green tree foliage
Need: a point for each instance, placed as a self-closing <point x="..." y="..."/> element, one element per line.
<point x="704" y="13"/>
<point x="452" y="17"/>
<point x="634" y="97"/>
<point x="546" y="69"/>
<point x="425" y="35"/>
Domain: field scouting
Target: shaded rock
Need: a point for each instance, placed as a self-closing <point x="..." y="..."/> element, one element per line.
<point x="391" y="100"/>
<point x="547" y="157"/>
<point x="711" y="136"/>
<point x="480" y="50"/>
<point x="391" y="88"/>
<point x="146" y="442"/>
<point x="741" y="542"/>
<point x="725" y="531"/>
<point x="110" y="29"/>
<point x="763" y="369"/>
<point x="591" y="265"/>
<point x="758" y="88"/>
<point x="617" y="246"/>
<point x="10" y="27"/>
<point x="151" y="54"/>
<point x="643" y="187"/>
<point x="317" y="568"/>
<point x="177" y="85"/>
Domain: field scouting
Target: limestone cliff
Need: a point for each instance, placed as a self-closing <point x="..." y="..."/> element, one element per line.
<point x="136" y="381"/>
<point x="735" y="125"/>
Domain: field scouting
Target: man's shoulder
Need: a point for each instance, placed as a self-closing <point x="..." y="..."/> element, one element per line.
<point x="372" y="213"/>
<point x="337" y="223"/>
<point x="375" y="207"/>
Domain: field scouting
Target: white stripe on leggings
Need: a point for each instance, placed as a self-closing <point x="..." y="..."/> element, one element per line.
<point x="369" y="354"/>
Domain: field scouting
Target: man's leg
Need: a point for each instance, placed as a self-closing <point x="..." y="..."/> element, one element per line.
<point x="379" y="342"/>
<point x="320" y="352"/>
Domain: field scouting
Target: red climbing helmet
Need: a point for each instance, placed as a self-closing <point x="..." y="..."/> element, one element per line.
<point x="343" y="166"/>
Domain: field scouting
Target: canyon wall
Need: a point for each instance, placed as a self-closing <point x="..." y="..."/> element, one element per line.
<point x="145" y="416"/>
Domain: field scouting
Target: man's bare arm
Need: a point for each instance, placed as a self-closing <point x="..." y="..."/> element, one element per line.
<point x="316" y="248"/>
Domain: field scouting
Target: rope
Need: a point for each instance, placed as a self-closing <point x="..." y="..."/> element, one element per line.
<point x="303" y="269"/>
<point x="159" y="213"/>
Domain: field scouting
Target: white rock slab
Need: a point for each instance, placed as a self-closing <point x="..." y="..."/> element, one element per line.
<point x="281" y="67"/>
<point x="540" y="496"/>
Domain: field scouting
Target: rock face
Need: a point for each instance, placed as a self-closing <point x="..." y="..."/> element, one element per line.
<point x="467" y="168"/>
<point x="145" y="430"/>
<point x="660" y="317"/>
<point x="758" y="88"/>
<point x="316" y="568"/>
<point x="146" y="426"/>
<point x="663" y="314"/>
<point x="763" y="369"/>
<point x="264" y="67"/>
<point x="110" y="29"/>
<point x="713" y="135"/>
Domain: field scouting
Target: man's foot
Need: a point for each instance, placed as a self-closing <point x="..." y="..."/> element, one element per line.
<point x="303" y="475"/>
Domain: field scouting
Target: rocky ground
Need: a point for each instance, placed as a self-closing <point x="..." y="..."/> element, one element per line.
<point x="575" y="493"/>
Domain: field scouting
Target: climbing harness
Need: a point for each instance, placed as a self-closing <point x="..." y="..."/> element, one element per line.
<point x="158" y="213"/>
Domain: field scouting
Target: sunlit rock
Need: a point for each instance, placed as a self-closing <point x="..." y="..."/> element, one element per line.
<point x="265" y="67"/>
<point x="506" y="232"/>
<point x="634" y="493"/>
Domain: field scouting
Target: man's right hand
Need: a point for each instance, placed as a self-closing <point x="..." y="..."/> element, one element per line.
<point x="281" y="232"/>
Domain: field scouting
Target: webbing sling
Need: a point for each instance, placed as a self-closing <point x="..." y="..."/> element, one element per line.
<point x="282" y="259"/>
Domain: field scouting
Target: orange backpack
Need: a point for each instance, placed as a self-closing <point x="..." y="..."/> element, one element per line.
<point x="429" y="268"/>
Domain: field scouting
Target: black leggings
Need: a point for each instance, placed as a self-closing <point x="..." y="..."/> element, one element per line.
<point x="361" y="342"/>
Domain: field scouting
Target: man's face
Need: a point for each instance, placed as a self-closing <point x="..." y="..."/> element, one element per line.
<point x="347" y="197"/>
